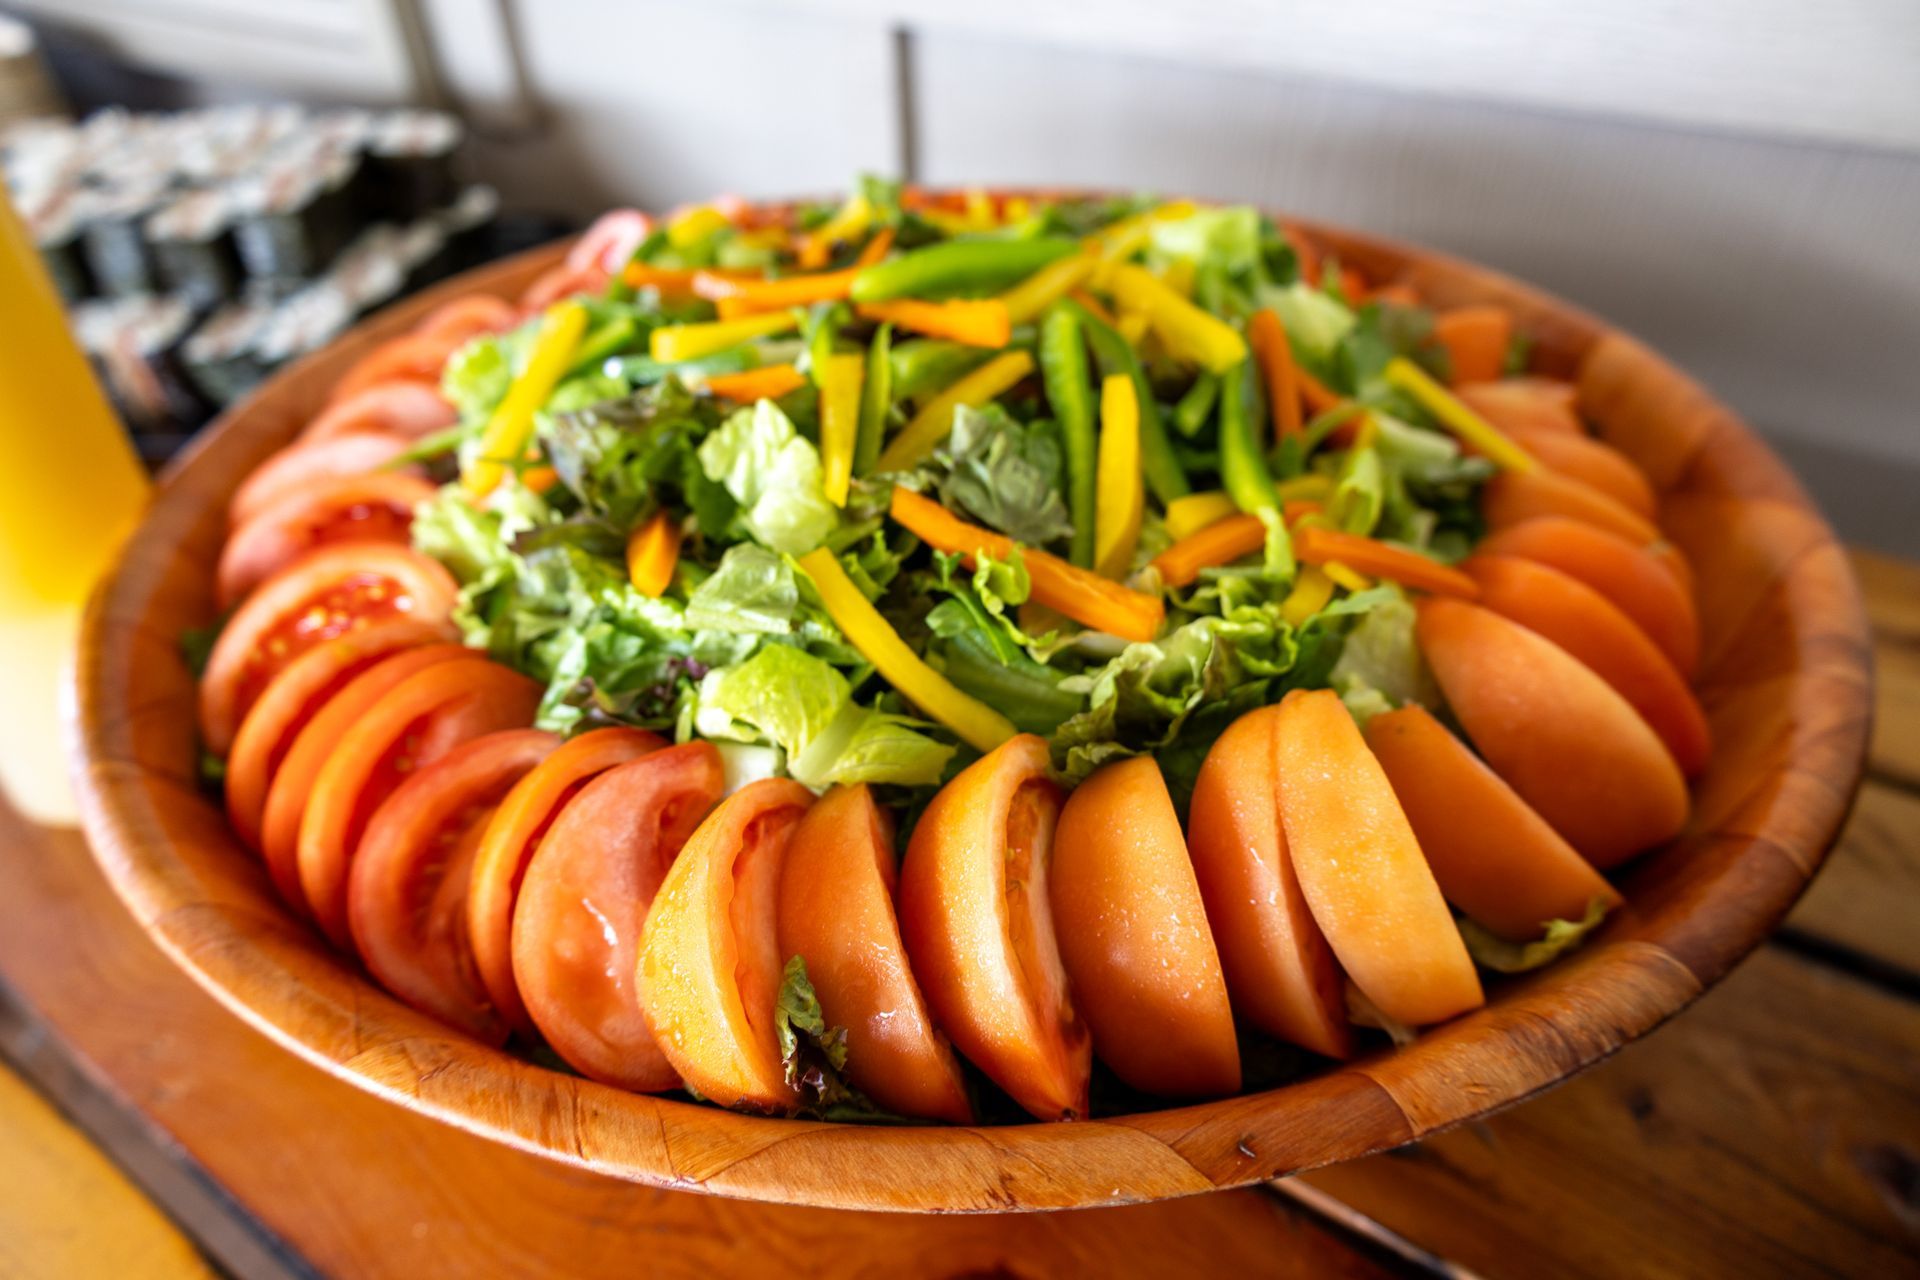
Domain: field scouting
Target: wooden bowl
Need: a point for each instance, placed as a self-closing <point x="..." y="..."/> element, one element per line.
<point x="1784" y="676"/>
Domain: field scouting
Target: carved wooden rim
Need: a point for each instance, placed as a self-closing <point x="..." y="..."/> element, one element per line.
<point x="1785" y="678"/>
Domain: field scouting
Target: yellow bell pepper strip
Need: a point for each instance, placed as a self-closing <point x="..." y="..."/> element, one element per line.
<point x="1046" y="286"/>
<point x="652" y="553"/>
<point x="977" y="724"/>
<point x="1179" y="277"/>
<point x="1114" y="354"/>
<point x="1087" y="598"/>
<point x="816" y="246"/>
<point x="1132" y="326"/>
<point x="691" y="341"/>
<point x="1221" y="542"/>
<point x="978" y="322"/>
<point x="1268" y="338"/>
<point x="876" y="399"/>
<point x="931" y="425"/>
<point x="1315" y="544"/>
<point x="840" y="422"/>
<point x="1123" y="239"/>
<point x="1063" y="368"/>
<point x="695" y="225"/>
<point x="980" y="209"/>
<point x="1311" y="591"/>
<point x="768" y="382"/>
<point x="510" y="428"/>
<point x="1189" y="515"/>
<point x="1188" y="332"/>
<point x="1345" y="577"/>
<point x="1456" y="417"/>
<point x="1123" y="495"/>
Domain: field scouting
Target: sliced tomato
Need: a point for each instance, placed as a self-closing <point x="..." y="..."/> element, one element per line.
<point x="366" y="508"/>
<point x="1517" y="403"/>
<point x="292" y="782"/>
<point x="406" y="894"/>
<point x="510" y="839"/>
<point x="979" y="929"/>
<point x="1591" y="462"/>
<point x="292" y="700"/>
<point x="413" y="357"/>
<point x="610" y="241"/>
<point x="1280" y="972"/>
<point x="562" y="282"/>
<point x="469" y="316"/>
<point x="710" y="969"/>
<point x="328" y="592"/>
<point x="577" y="924"/>
<point x="836" y="913"/>
<point x="418" y="721"/>
<point x="306" y="462"/>
<point x="401" y="408"/>
<point x="1134" y="937"/>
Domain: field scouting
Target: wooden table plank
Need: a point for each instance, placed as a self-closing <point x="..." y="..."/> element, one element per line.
<point x="1892" y="591"/>
<point x="66" y="1211"/>
<point x="363" y="1188"/>
<point x="1773" y="1130"/>
<point x="1866" y="900"/>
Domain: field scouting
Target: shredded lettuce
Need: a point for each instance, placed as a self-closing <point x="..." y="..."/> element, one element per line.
<point x="1380" y="666"/>
<point x="775" y="476"/>
<point x="1226" y="237"/>
<point x="1558" y="937"/>
<point x="1314" y="321"/>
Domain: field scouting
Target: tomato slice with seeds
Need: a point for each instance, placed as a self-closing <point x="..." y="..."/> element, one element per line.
<point x="406" y="894"/>
<point x="377" y="507"/>
<point x="292" y="782"/>
<point x="415" y="723"/>
<point x="329" y="592"/>
<point x="577" y="925"/>
<point x="710" y="964"/>
<point x="294" y="698"/>
<point x="306" y="462"/>
<point x="510" y="839"/>
<point x="405" y="408"/>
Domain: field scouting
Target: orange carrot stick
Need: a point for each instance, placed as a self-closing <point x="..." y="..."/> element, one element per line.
<point x="1303" y="252"/>
<point x="1476" y="339"/>
<point x="1268" y="338"/>
<point x="875" y="249"/>
<point x="677" y="281"/>
<point x="1314" y="544"/>
<point x="652" y="553"/>
<point x="1399" y="294"/>
<point x="1094" y="307"/>
<point x="979" y="322"/>
<point x="1318" y="395"/>
<point x="768" y="382"/>
<point x="1219" y="543"/>
<point x="1087" y="598"/>
<point x="772" y="295"/>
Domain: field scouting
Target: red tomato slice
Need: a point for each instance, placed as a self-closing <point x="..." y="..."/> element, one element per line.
<point x="292" y="700"/>
<point x="406" y="895"/>
<point x="366" y="508"/>
<point x="610" y="241"/>
<point x="404" y="408"/>
<point x="418" y="721"/>
<point x="979" y="930"/>
<point x="709" y="970"/>
<point x="561" y="282"/>
<point x="467" y="317"/>
<point x="577" y="924"/>
<point x="836" y="913"/>
<point x="338" y="588"/>
<point x="292" y="782"/>
<point x="414" y="357"/>
<point x="306" y="462"/>
<point x="510" y="839"/>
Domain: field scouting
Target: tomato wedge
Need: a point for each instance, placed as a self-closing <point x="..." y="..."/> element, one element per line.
<point x="710" y="967"/>
<point x="1280" y="972"/>
<point x="406" y="895"/>
<point x="610" y="241"/>
<point x="410" y="409"/>
<point x="415" y="723"/>
<point x="510" y="839"/>
<point x="1512" y="404"/>
<point x="292" y="700"/>
<point x="1591" y="462"/>
<point x="577" y="924"/>
<point x="979" y="929"/>
<point x="415" y="357"/>
<point x="836" y="913"/>
<point x="291" y="782"/>
<point x="468" y="317"/>
<point x="1134" y="937"/>
<point x="306" y="462"/>
<point x="338" y="588"/>
<point x="365" y="508"/>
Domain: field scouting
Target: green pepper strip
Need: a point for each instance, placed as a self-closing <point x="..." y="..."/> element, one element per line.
<point x="876" y="397"/>
<point x="959" y="266"/>
<point x="1063" y="366"/>
<point x="926" y="365"/>
<point x="1194" y="408"/>
<point x="1243" y="471"/>
<point x="604" y="341"/>
<point x="1116" y="355"/>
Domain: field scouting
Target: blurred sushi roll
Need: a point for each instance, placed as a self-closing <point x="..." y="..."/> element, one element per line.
<point x="410" y="163"/>
<point x="193" y="246"/>
<point x="222" y="357"/>
<point x="292" y="219"/>
<point x="373" y="270"/>
<point x="54" y="224"/>
<point x="307" y="321"/>
<point x="467" y="224"/>
<point x="113" y="239"/>
<point x="135" y="344"/>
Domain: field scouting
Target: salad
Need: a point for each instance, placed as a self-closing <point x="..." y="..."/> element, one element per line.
<point x="875" y="659"/>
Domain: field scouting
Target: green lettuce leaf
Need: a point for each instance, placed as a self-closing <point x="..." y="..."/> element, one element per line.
<point x="1006" y="475"/>
<point x="775" y="476"/>
<point x="1381" y="657"/>
<point x="753" y="591"/>
<point x="1315" y="322"/>
<point x="1560" y="936"/>
<point x="1227" y="237"/>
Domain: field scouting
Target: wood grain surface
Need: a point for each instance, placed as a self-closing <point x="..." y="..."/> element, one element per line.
<point x="1784" y="678"/>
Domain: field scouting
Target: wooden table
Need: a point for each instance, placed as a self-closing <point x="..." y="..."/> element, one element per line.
<point x="1773" y="1129"/>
